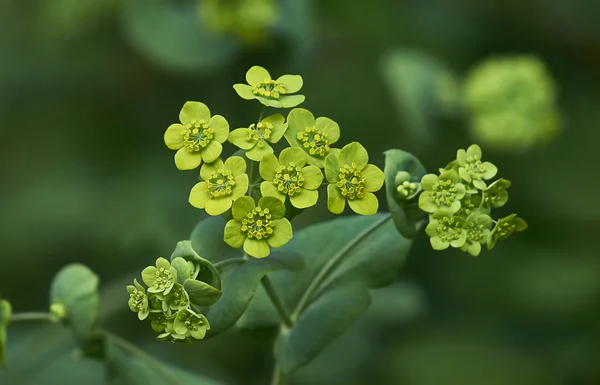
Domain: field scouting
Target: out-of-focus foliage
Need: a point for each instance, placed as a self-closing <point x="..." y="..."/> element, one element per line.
<point x="86" y="178"/>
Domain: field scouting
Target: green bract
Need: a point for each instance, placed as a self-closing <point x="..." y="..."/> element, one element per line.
<point x="446" y="230"/>
<point x="258" y="227"/>
<point x="290" y="177"/>
<point x="496" y="195"/>
<point x="188" y="323"/>
<point x="352" y="179"/>
<point x="160" y="279"/>
<point x="504" y="228"/>
<point x="472" y="169"/>
<point x="256" y="138"/>
<point x="177" y="298"/>
<point x="478" y="231"/>
<point x="222" y="184"/>
<point x="138" y="300"/>
<point x="315" y="136"/>
<point x="271" y="93"/>
<point x="199" y="136"/>
<point x="441" y="192"/>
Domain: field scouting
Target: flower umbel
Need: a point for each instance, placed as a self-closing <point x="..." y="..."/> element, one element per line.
<point x="352" y="180"/>
<point x="138" y="300"/>
<point x="188" y="323"/>
<point x="446" y="230"/>
<point x="160" y="279"/>
<point x="472" y="169"/>
<point x="441" y="192"/>
<point x="504" y="228"/>
<point x="314" y="136"/>
<point x="257" y="228"/>
<point x="223" y="182"/>
<point x="198" y="138"/>
<point x="478" y="232"/>
<point x="256" y="138"/>
<point x="268" y="91"/>
<point x="290" y="177"/>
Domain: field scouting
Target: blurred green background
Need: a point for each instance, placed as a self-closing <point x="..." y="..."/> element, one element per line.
<point x="87" y="89"/>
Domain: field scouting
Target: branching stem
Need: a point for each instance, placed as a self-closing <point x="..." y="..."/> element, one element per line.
<point x="32" y="316"/>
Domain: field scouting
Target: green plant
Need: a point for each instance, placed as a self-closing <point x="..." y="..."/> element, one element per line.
<point x="210" y="282"/>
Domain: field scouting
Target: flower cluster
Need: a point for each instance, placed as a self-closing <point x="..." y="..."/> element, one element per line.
<point x="258" y="201"/>
<point x="459" y="201"/>
<point x="166" y="302"/>
<point x="512" y="103"/>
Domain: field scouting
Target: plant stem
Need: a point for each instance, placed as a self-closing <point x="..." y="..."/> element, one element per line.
<point x="32" y="316"/>
<point x="230" y="261"/>
<point x="262" y="112"/>
<point x="278" y="377"/>
<point x="277" y="302"/>
<point x="318" y="280"/>
<point x="154" y="363"/>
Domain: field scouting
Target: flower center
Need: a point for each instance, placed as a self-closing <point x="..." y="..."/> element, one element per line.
<point x="178" y="297"/>
<point x="448" y="229"/>
<point x="258" y="224"/>
<point x="314" y="141"/>
<point x="289" y="180"/>
<point x="220" y="183"/>
<point x="466" y="206"/>
<point x="139" y="300"/>
<point x="406" y="189"/>
<point x="351" y="183"/>
<point x="443" y="193"/>
<point x="475" y="168"/>
<point x="270" y="89"/>
<point x="475" y="232"/>
<point x="259" y="132"/>
<point x="504" y="230"/>
<point x="163" y="278"/>
<point x="197" y="135"/>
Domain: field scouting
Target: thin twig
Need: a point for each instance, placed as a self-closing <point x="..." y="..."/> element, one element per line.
<point x="32" y="316"/>
<point x="277" y="302"/>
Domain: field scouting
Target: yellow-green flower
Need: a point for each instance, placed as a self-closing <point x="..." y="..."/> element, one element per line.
<point x="188" y="323"/>
<point x="440" y="192"/>
<point x="352" y="179"/>
<point x="315" y="136"/>
<point x="222" y="184"/>
<point x="256" y="138"/>
<point x="478" y="232"/>
<point x="160" y="279"/>
<point x="271" y="93"/>
<point x="445" y="230"/>
<point x="138" y="300"/>
<point x="472" y="169"/>
<point x="199" y="136"/>
<point x="290" y="177"/>
<point x="504" y="228"/>
<point x="258" y="228"/>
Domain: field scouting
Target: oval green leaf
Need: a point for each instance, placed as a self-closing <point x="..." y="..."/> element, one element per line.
<point x="201" y="293"/>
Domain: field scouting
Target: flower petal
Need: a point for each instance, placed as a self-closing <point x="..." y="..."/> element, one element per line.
<point x="211" y="152"/>
<point x="185" y="160"/>
<point x="257" y="248"/>
<point x="282" y="233"/>
<point x="332" y="168"/>
<point x="474" y="248"/>
<point x="431" y="228"/>
<point x="241" y="186"/>
<point x="490" y="170"/>
<point x="235" y="164"/>
<point x="242" y="206"/>
<point x="289" y="101"/>
<point x="199" y="195"/>
<point x="174" y="136"/>
<point x="208" y="168"/>
<point x="313" y="177"/>
<point x="474" y="151"/>
<point x="329" y="127"/>
<point x="292" y="83"/>
<point x="218" y="206"/>
<point x="353" y="153"/>
<point x="279" y="127"/>
<point x="461" y="157"/>
<point x="336" y="202"/>
<point x="268" y="166"/>
<point x="220" y="126"/>
<point x="269" y="189"/>
<point x="233" y="235"/>
<point x="428" y="181"/>
<point x="438" y="244"/>
<point x="194" y="111"/>
<point x="257" y="152"/>
<point x="149" y="275"/>
<point x="304" y="198"/>
<point x="293" y="155"/>
<point x="257" y="74"/>
<point x="244" y="91"/>
<point x="238" y="138"/>
<point x="426" y="202"/>
<point x="367" y="205"/>
<point x="317" y="161"/>
<point x="275" y="206"/>
<point x="298" y="119"/>
<point x="269" y="102"/>
<point x="373" y="177"/>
